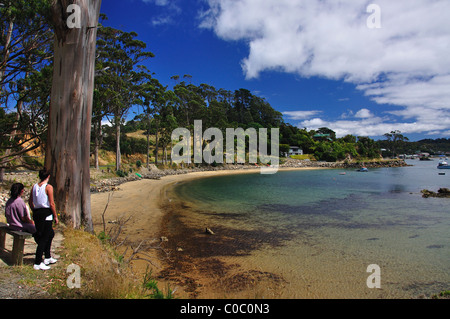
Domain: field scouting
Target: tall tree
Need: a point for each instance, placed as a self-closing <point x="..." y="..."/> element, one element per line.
<point x="24" y="30"/>
<point x="395" y="138"/>
<point x="98" y="113"/>
<point x="242" y="101"/>
<point x="25" y="36"/>
<point x="168" y="121"/>
<point x="67" y="155"/>
<point x="121" y="53"/>
<point x="164" y="119"/>
<point x="149" y="94"/>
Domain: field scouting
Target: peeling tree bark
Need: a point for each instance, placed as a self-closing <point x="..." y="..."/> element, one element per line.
<point x="67" y="154"/>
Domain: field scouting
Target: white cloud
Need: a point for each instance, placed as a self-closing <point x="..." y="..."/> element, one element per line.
<point x="300" y="115"/>
<point x="406" y="62"/>
<point x="170" y="11"/>
<point x="377" y="126"/>
<point x="364" y="114"/>
<point x="161" y="3"/>
<point x="161" y="20"/>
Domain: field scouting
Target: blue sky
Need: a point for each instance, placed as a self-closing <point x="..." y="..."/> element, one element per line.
<point x="321" y="63"/>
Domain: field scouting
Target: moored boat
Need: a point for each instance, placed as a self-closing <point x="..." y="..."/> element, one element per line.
<point x="443" y="165"/>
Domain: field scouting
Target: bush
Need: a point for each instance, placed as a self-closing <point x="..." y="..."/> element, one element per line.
<point x="121" y="173"/>
<point x="151" y="286"/>
<point x="303" y="157"/>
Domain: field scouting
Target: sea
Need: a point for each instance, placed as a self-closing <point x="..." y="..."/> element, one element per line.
<point x="333" y="233"/>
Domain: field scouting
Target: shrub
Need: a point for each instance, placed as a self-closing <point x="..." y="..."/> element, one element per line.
<point x="151" y="285"/>
<point x="121" y="173"/>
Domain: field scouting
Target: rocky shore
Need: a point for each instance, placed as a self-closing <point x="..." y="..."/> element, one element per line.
<point x="106" y="185"/>
<point x="344" y="165"/>
<point x="442" y="192"/>
<point x="154" y="173"/>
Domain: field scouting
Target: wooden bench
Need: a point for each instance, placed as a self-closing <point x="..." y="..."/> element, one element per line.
<point x="18" y="242"/>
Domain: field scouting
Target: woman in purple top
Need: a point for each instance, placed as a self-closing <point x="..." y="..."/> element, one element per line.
<point x="16" y="211"/>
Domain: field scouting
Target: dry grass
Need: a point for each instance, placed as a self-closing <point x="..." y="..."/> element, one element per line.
<point x="102" y="276"/>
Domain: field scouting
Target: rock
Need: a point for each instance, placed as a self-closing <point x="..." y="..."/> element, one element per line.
<point x="426" y="193"/>
<point x="442" y="192"/>
<point x="163" y="239"/>
<point x="209" y="231"/>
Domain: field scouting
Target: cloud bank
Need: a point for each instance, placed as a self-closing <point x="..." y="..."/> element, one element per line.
<point x="405" y="63"/>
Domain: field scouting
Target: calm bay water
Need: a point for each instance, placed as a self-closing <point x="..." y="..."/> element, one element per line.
<point x="329" y="227"/>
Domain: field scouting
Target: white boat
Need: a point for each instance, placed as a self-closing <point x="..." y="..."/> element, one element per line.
<point x="443" y="165"/>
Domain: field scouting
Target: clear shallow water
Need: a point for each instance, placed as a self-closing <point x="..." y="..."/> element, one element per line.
<point x="333" y="226"/>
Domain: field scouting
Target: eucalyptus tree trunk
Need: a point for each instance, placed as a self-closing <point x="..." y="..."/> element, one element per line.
<point x="67" y="155"/>
<point x="118" y="154"/>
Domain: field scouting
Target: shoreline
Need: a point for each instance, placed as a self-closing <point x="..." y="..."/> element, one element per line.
<point x="149" y="194"/>
<point x="105" y="185"/>
<point x="154" y="217"/>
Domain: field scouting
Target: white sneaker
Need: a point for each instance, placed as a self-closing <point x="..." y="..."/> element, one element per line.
<point x="41" y="266"/>
<point x="49" y="261"/>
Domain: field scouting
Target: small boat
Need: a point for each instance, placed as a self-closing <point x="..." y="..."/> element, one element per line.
<point x="443" y="165"/>
<point x="363" y="169"/>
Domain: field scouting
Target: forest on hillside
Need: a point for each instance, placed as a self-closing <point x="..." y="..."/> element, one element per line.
<point x="125" y="86"/>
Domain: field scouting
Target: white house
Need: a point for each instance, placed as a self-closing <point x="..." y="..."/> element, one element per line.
<point x="295" y="150"/>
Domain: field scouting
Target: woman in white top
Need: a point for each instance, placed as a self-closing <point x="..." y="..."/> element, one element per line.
<point x="44" y="213"/>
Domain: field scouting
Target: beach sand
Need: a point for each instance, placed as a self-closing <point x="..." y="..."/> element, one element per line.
<point x="146" y="202"/>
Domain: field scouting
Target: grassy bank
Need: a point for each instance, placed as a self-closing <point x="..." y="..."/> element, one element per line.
<point x="103" y="275"/>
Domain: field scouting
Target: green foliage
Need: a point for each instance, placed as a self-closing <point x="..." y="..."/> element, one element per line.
<point x="121" y="173"/>
<point x="445" y="294"/>
<point x="284" y="148"/>
<point x="128" y="145"/>
<point x="431" y="146"/>
<point x="347" y="147"/>
<point x="26" y="72"/>
<point x="303" y="157"/>
<point x="104" y="238"/>
<point x="151" y="286"/>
